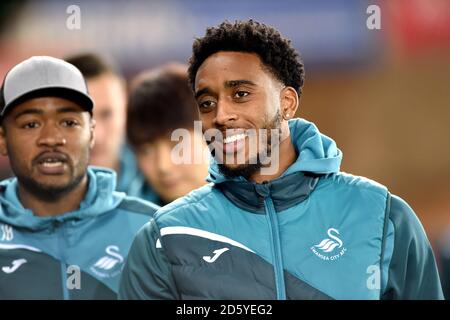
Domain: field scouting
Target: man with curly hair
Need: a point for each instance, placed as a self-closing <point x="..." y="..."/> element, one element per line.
<point x="303" y="231"/>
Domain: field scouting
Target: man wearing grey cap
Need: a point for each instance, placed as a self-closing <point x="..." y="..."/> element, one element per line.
<point x="65" y="232"/>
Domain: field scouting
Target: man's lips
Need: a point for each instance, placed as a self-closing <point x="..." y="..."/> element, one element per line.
<point x="51" y="162"/>
<point x="231" y="141"/>
<point x="234" y="143"/>
<point x="234" y="138"/>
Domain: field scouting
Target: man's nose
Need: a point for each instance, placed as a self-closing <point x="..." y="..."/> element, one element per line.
<point x="225" y="114"/>
<point x="51" y="135"/>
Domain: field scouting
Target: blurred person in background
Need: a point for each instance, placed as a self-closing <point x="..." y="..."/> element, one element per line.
<point x="108" y="90"/>
<point x="64" y="231"/>
<point x="160" y="101"/>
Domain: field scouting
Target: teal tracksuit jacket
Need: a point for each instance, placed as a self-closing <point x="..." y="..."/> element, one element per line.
<point x="76" y="255"/>
<point x="313" y="233"/>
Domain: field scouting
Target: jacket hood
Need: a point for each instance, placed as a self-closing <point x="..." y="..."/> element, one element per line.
<point x="99" y="199"/>
<point x="317" y="153"/>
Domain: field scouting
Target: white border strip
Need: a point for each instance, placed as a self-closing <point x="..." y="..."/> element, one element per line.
<point x="18" y="246"/>
<point x="202" y="233"/>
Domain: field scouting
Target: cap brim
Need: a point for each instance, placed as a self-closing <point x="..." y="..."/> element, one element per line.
<point x="83" y="100"/>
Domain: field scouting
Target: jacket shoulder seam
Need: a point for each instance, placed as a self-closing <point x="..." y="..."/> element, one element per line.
<point x="367" y="184"/>
<point x="180" y="206"/>
<point x="137" y="206"/>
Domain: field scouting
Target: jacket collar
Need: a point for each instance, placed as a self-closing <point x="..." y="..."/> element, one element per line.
<point x="285" y="192"/>
<point x="99" y="199"/>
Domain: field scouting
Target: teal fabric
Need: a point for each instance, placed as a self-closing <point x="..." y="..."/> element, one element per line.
<point x="354" y="206"/>
<point x="343" y="211"/>
<point x="105" y="219"/>
<point x="412" y="267"/>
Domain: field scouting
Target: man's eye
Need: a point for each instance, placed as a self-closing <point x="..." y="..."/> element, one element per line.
<point x="207" y="105"/>
<point x="31" y="125"/>
<point x="70" y="123"/>
<point x="241" y="94"/>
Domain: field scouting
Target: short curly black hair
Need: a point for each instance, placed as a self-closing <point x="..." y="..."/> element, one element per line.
<point x="275" y="52"/>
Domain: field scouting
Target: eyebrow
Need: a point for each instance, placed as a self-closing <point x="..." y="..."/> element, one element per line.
<point x="201" y="92"/>
<point x="40" y="111"/>
<point x="235" y="83"/>
<point x="28" y="111"/>
<point x="70" y="109"/>
<point x="227" y="84"/>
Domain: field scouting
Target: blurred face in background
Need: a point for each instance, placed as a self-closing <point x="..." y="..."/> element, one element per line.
<point x="109" y="95"/>
<point x="171" y="180"/>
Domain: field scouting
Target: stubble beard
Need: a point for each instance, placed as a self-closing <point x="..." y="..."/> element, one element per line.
<point x="252" y="166"/>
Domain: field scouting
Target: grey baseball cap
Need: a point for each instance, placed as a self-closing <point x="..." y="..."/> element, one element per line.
<point x="43" y="76"/>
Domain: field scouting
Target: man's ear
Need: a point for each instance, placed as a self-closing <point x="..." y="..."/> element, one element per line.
<point x="92" y="133"/>
<point x="3" y="148"/>
<point x="289" y="102"/>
